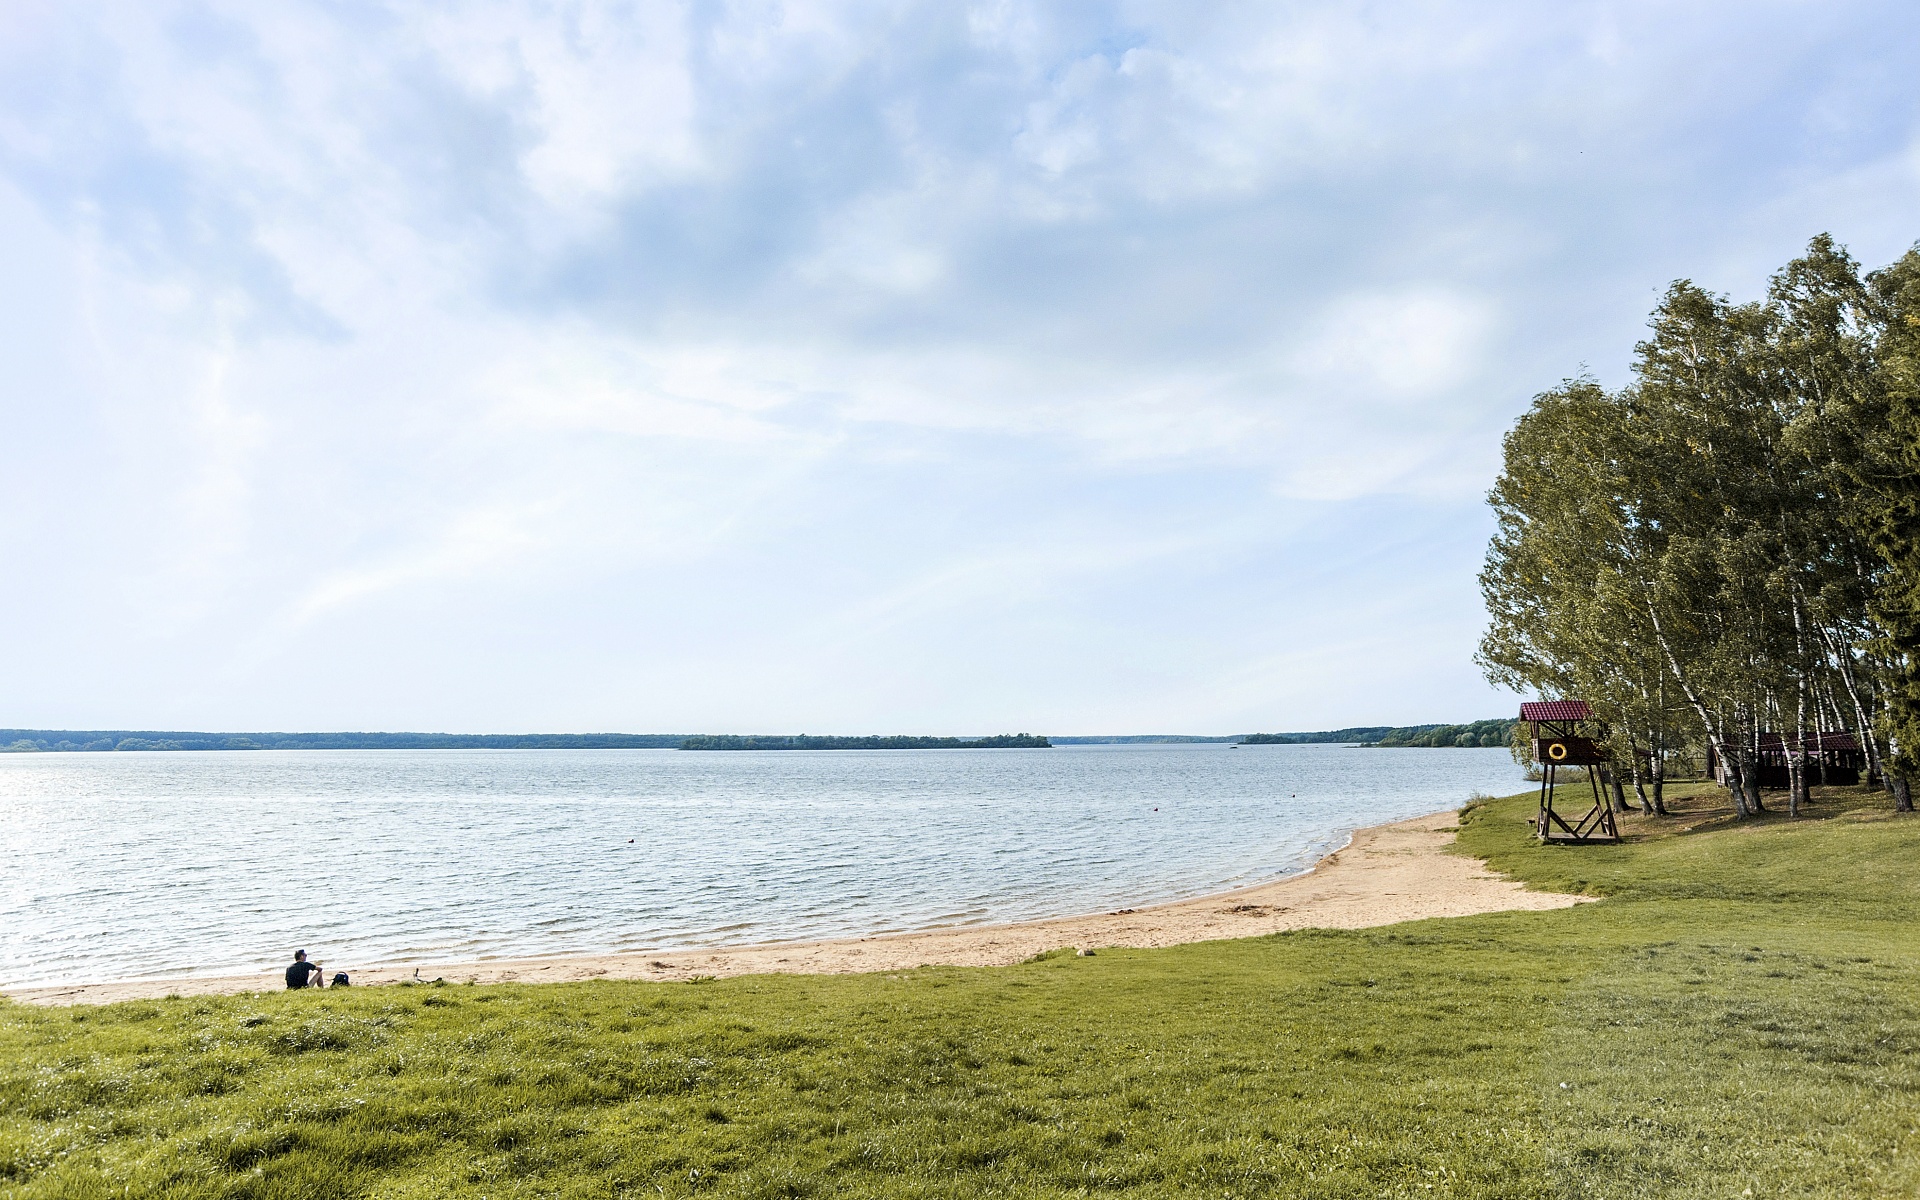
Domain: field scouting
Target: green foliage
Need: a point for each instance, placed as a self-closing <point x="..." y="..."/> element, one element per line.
<point x="1477" y="733"/>
<point x="1491" y="733"/>
<point x="1885" y="471"/>
<point x="1004" y="741"/>
<point x="1729" y="545"/>
<point x="1357" y="733"/>
<point x="1740" y="1015"/>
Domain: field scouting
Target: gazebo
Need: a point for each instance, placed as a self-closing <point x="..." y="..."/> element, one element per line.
<point x="1559" y="741"/>
<point x="1831" y="757"/>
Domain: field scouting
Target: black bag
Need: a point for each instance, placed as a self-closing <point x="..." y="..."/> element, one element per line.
<point x="340" y="979"/>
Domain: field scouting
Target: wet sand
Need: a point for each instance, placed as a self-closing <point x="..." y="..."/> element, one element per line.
<point x="1386" y="874"/>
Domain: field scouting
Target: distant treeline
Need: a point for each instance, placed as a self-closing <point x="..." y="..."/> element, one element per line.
<point x="126" y="739"/>
<point x="1359" y="733"/>
<point x="1495" y="732"/>
<point x="805" y="742"/>
<point x="122" y="739"/>
<point x="1141" y="739"/>
<point x="1479" y="733"/>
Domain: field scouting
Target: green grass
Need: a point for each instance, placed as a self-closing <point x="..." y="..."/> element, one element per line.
<point x="1739" y="1017"/>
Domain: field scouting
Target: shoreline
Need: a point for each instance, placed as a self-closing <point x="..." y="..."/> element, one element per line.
<point x="1385" y="874"/>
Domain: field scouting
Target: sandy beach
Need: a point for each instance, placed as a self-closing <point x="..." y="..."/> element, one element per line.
<point x="1386" y="874"/>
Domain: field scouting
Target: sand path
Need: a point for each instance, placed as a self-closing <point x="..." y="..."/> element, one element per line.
<point x="1388" y="873"/>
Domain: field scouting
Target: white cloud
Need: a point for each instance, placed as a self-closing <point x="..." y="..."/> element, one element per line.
<point x="384" y="342"/>
<point x="607" y="94"/>
<point x="1406" y="345"/>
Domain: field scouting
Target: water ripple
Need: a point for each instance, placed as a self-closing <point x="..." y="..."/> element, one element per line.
<point x="127" y="865"/>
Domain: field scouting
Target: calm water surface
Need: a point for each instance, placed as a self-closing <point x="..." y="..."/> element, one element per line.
<point x="122" y="865"/>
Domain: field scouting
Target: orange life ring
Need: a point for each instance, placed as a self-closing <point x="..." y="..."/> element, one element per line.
<point x="1557" y="751"/>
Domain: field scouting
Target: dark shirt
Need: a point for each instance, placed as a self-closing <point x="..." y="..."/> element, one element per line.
<point x="300" y="974"/>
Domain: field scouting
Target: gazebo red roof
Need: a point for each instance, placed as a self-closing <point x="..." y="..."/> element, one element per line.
<point x="1775" y="743"/>
<point x="1555" y="710"/>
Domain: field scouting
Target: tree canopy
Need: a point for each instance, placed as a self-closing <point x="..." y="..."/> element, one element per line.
<point x="1730" y="544"/>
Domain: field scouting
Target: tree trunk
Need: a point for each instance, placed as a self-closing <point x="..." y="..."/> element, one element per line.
<point x="1868" y="742"/>
<point x="1902" y="793"/>
<point x="1657" y="750"/>
<point x="1750" y="761"/>
<point x="1639" y="773"/>
<point x="1750" y="782"/>
<point x="1797" y="756"/>
<point x="1728" y="760"/>
<point x="1716" y="741"/>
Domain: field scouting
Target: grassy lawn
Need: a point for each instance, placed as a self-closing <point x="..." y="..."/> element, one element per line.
<point x="1739" y="1017"/>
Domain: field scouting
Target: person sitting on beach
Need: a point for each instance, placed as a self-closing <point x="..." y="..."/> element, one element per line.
<point x="302" y="973"/>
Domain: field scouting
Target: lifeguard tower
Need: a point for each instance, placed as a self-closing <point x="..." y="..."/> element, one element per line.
<point x="1558" y="742"/>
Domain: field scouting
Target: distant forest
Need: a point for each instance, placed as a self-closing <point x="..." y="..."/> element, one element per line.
<point x="1004" y="741"/>
<point x="121" y="739"/>
<point x="1495" y="732"/>
<point x="1358" y="733"/>
<point x="1140" y="739"/>
<point x="1478" y="733"/>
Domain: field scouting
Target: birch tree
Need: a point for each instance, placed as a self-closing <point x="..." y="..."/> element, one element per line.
<point x="1729" y="545"/>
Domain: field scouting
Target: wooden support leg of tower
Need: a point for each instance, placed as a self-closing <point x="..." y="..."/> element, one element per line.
<point x="1549" y="787"/>
<point x="1594" y="823"/>
<point x="1597" y="825"/>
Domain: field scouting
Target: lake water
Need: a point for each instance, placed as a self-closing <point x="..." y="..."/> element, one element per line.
<point x="124" y="865"/>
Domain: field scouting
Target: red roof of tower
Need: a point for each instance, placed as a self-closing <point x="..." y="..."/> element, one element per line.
<point x="1555" y="710"/>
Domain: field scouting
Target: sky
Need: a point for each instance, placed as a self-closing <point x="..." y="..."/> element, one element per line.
<point x="846" y="367"/>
